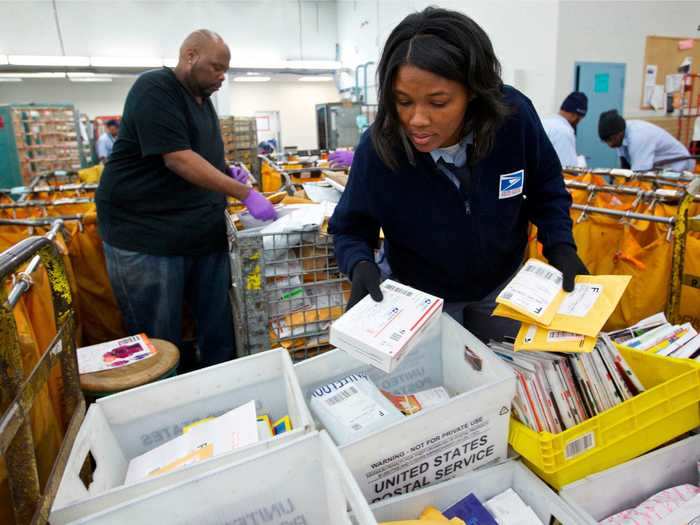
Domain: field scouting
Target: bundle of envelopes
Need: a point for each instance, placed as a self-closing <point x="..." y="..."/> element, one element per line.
<point x="656" y="335"/>
<point x="552" y="319"/>
<point x="557" y="391"/>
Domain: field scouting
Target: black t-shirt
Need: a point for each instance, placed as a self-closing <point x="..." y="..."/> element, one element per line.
<point x="144" y="207"/>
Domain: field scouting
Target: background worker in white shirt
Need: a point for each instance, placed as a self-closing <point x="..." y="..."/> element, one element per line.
<point x="643" y="146"/>
<point x="561" y="128"/>
<point x="105" y="143"/>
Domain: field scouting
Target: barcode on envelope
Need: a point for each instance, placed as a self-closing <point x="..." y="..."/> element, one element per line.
<point x="553" y="335"/>
<point x="545" y="273"/>
<point x="342" y="396"/>
<point x="396" y="289"/>
<point x="580" y="445"/>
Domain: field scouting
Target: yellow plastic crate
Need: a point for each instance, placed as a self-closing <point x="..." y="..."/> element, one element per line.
<point x="668" y="408"/>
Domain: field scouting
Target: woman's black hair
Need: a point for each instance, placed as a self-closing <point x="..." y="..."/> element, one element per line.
<point x="451" y="45"/>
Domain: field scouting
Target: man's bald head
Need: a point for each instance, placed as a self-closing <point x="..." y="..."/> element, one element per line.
<point x="204" y="61"/>
<point x="201" y="41"/>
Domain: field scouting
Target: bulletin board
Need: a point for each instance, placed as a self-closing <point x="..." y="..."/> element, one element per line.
<point x="663" y="52"/>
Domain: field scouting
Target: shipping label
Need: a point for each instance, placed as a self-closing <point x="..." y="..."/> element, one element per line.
<point x="534" y="287"/>
<point x="579" y="302"/>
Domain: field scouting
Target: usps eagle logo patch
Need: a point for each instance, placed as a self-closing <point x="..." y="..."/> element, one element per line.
<point x="511" y="184"/>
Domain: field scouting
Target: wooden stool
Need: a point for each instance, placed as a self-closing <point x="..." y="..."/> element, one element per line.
<point x="162" y="365"/>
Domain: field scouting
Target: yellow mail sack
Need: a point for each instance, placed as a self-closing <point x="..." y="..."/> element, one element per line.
<point x="533" y="338"/>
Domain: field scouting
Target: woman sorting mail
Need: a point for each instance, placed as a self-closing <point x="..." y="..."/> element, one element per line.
<point x="454" y="167"/>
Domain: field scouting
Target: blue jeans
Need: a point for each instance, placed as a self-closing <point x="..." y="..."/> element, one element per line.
<point x="151" y="291"/>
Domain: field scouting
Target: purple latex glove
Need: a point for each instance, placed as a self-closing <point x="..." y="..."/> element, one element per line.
<point x="341" y="159"/>
<point x="239" y="173"/>
<point x="259" y="207"/>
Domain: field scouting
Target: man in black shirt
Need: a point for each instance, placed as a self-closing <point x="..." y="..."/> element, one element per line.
<point x="161" y="203"/>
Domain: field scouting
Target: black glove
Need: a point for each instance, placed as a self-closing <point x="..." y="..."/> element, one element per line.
<point x="365" y="280"/>
<point x="565" y="259"/>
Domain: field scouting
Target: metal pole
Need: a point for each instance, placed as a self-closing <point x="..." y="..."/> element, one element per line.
<point x="46" y="204"/>
<point x="625" y="190"/>
<point x="25" y="278"/>
<point x="662" y="176"/>
<point x="624" y="214"/>
<point x="680" y="232"/>
<point x="40" y="221"/>
<point x="24" y="190"/>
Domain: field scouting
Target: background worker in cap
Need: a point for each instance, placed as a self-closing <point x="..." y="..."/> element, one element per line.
<point x="561" y="128"/>
<point x="105" y="143"/>
<point x="642" y="146"/>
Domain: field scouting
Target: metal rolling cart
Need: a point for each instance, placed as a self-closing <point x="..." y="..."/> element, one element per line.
<point x="276" y="176"/>
<point x="657" y="178"/>
<point x="31" y="501"/>
<point x="681" y="225"/>
<point x="287" y="289"/>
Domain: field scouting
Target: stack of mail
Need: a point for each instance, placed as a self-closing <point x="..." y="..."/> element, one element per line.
<point x="554" y="320"/>
<point x="383" y="333"/>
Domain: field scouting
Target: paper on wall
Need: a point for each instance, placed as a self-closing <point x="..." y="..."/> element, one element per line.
<point x="674" y="82"/>
<point x="658" y="98"/>
<point x="650" y="74"/>
<point x="649" y="83"/>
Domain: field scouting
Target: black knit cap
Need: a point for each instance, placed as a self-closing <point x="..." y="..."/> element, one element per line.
<point x="610" y="123"/>
<point x="576" y="102"/>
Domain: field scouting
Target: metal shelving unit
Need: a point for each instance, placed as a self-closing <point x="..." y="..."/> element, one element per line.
<point x="38" y="139"/>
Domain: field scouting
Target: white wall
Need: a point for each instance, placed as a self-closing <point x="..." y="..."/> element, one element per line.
<point x="537" y="41"/>
<point x="523" y="32"/>
<point x="286" y="29"/>
<point x="296" y="102"/>
<point x="616" y="31"/>
<point x="94" y="99"/>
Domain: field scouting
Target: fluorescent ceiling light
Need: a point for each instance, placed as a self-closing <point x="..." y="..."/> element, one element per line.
<point x="252" y="79"/>
<point x="126" y="62"/>
<point x="32" y="75"/>
<point x="91" y="79"/>
<point x="3" y="60"/>
<point x="252" y="73"/>
<point x="85" y="74"/>
<point x="312" y="64"/>
<point x="170" y="62"/>
<point x="10" y="79"/>
<point x="41" y="60"/>
<point x="253" y="64"/>
<point x="319" y="78"/>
